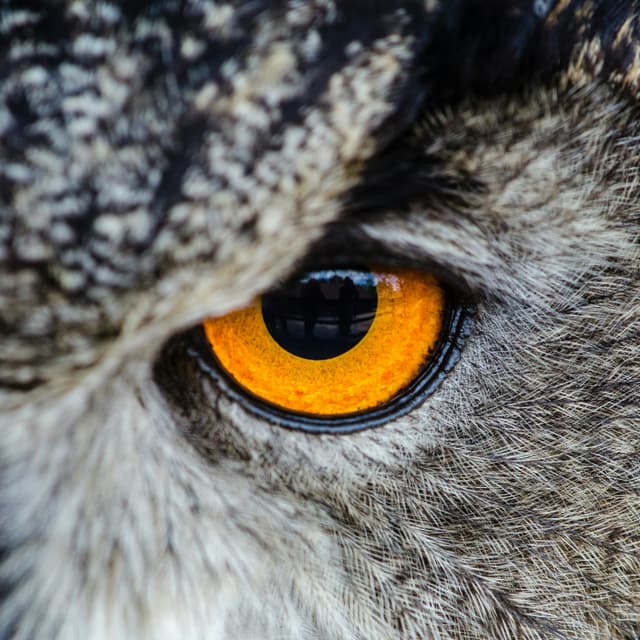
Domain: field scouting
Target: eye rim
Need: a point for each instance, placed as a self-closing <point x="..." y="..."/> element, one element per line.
<point x="456" y="327"/>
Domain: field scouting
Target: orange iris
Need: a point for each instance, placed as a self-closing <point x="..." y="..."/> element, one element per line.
<point x="404" y="326"/>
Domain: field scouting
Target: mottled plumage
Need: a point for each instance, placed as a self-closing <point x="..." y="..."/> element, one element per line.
<point x="161" y="162"/>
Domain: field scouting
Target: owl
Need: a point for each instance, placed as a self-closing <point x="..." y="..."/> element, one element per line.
<point x="319" y="319"/>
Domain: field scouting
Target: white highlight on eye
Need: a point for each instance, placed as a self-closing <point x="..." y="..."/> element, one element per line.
<point x="542" y="7"/>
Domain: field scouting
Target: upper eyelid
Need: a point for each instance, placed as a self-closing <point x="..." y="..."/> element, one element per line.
<point x="346" y="244"/>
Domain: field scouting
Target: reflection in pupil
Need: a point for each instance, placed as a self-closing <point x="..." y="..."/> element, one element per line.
<point x="323" y="313"/>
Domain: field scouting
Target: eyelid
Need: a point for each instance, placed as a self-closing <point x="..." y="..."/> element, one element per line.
<point x="344" y="245"/>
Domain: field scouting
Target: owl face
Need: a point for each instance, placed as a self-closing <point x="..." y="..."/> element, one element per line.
<point x="320" y="320"/>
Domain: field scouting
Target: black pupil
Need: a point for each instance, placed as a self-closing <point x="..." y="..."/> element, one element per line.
<point x="323" y="313"/>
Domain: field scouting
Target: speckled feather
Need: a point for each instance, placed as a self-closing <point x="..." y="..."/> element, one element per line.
<point x="165" y="161"/>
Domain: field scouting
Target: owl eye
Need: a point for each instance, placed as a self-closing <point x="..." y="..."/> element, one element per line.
<point x="338" y="349"/>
